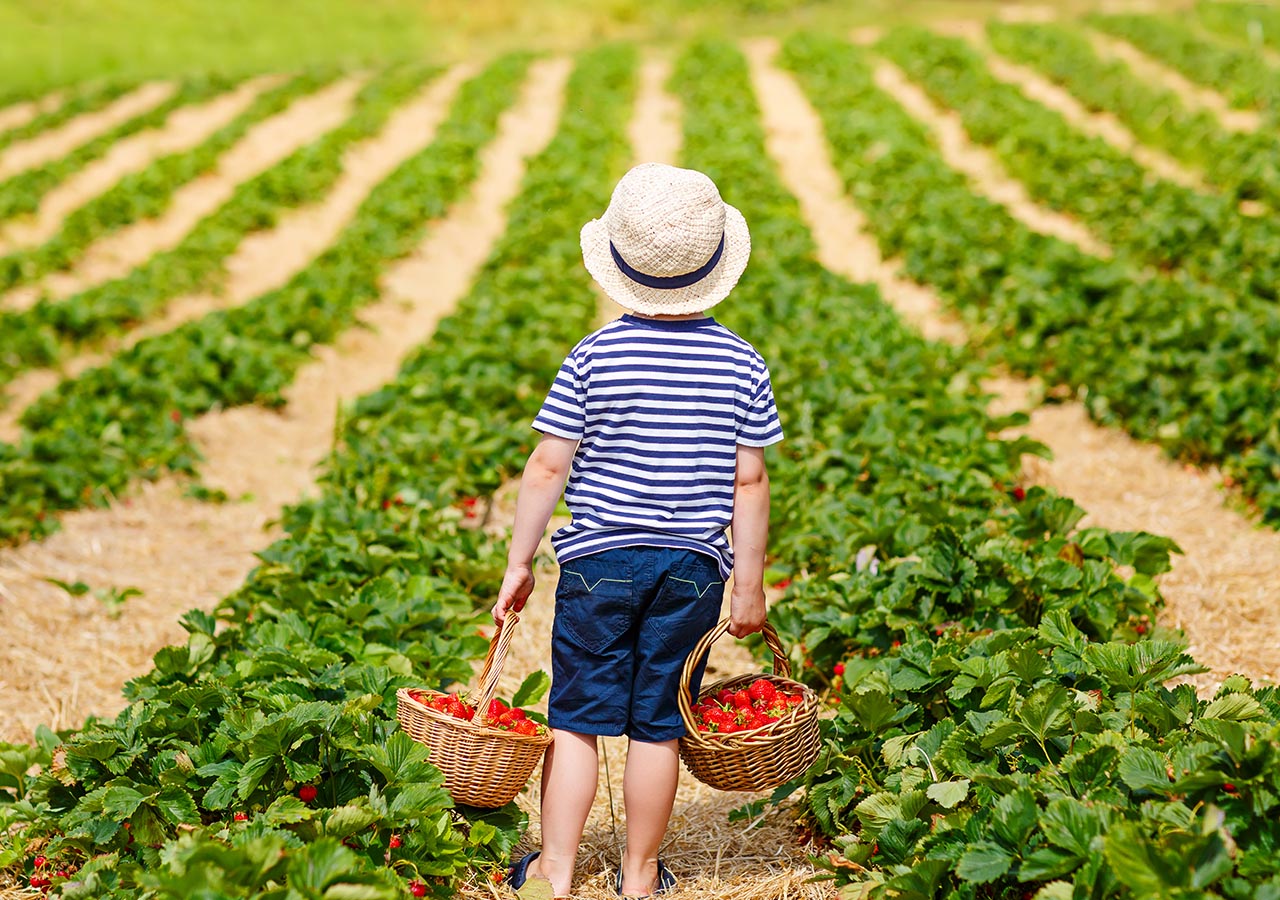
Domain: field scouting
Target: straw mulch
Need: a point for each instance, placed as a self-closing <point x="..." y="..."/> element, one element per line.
<point x="65" y="657"/>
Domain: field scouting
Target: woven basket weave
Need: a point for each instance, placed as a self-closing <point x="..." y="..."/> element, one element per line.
<point x="749" y="760"/>
<point x="482" y="766"/>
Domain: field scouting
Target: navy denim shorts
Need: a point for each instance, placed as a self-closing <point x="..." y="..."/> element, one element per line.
<point x="626" y="619"/>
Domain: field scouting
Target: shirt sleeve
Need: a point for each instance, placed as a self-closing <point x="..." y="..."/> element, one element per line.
<point x="563" y="413"/>
<point x="760" y="425"/>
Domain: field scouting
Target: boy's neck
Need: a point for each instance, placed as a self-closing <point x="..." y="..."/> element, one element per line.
<point x="664" y="317"/>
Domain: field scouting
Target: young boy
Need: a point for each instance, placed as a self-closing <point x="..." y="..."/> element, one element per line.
<point x="659" y="421"/>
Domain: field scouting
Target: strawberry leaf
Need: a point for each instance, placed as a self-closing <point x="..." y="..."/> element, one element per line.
<point x="532" y="689"/>
<point x="983" y="862"/>
<point x="948" y="794"/>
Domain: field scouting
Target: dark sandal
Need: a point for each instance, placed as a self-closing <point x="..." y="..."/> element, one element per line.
<point x="666" y="881"/>
<point x="527" y="888"/>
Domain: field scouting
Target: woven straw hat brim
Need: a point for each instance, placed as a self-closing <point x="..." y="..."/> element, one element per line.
<point x="674" y="301"/>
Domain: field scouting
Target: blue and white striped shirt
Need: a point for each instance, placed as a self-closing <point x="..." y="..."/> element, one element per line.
<point x="659" y="407"/>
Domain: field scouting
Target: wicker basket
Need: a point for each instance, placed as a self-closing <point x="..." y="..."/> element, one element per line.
<point x="749" y="760"/>
<point x="482" y="766"/>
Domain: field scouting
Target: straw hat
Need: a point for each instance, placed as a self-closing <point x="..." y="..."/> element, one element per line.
<point x="667" y="244"/>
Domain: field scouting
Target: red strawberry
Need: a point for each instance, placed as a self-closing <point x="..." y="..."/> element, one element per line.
<point x="762" y="689"/>
<point x="241" y="817"/>
<point x="307" y="793"/>
<point x="838" y="668"/>
<point x="1019" y="493"/>
<point x="783" y="584"/>
<point x="742" y="700"/>
<point x="725" y="696"/>
<point x="1141" y="629"/>
<point x="62" y="873"/>
<point x="526" y="727"/>
<point x="496" y="708"/>
<point x="39" y="862"/>
<point x="1229" y="787"/>
<point x="394" y="842"/>
<point x="794" y="699"/>
<point x="175" y="415"/>
<point x="417" y="888"/>
<point x="517" y="713"/>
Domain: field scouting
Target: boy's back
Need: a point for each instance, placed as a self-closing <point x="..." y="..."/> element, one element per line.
<point x="660" y="407"/>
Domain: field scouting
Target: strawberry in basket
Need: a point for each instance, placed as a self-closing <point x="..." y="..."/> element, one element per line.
<point x="755" y="707"/>
<point x="501" y="716"/>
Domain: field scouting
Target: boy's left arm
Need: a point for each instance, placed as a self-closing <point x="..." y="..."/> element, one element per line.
<point x="540" y="488"/>
<point x="750" y="527"/>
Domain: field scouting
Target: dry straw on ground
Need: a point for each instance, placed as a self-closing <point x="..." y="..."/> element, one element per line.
<point x="58" y="142"/>
<point x="183" y="553"/>
<point x="1222" y="591"/>
<point x="264" y="145"/>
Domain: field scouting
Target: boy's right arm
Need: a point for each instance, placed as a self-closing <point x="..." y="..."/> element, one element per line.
<point x="540" y="489"/>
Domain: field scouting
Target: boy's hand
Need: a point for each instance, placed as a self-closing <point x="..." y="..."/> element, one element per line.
<point x="746" y="610"/>
<point x="517" y="585"/>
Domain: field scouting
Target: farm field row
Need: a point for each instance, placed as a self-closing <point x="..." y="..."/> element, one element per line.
<point x="978" y="615"/>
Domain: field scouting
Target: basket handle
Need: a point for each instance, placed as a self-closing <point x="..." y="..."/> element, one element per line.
<point x="781" y="667"/>
<point x="493" y="663"/>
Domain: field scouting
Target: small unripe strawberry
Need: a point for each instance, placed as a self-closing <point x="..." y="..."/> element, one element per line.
<point x="307" y="793"/>
<point x="394" y="842"/>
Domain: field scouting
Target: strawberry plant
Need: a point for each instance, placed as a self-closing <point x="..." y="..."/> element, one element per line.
<point x="291" y="687"/>
<point x="1237" y="73"/>
<point x="1184" y="364"/>
<point x="1257" y="23"/>
<point x="1155" y="221"/>
<point x="39" y="335"/>
<point x="242" y="355"/>
<point x="20" y="194"/>
<point x="1003" y="722"/>
<point x="146" y="194"/>
<point x="1237" y="163"/>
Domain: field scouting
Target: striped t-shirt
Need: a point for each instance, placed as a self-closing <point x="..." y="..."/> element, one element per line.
<point x="660" y="407"/>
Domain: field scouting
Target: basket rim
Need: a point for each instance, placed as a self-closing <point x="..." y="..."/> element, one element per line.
<point x="402" y="695"/>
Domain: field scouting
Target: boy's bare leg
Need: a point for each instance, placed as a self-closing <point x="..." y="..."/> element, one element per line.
<point x="569" y="776"/>
<point x="649" y="791"/>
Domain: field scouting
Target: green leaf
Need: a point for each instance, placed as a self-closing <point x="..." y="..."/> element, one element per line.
<point x="177" y="806"/>
<point x="948" y="793"/>
<point x="1047" y="863"/>
<point x="1144" y="770"/>
<point x="119" y="803"/>
<point x="1015" y="816"/>
<point x="983" y="862"/>
<point x="347" y="820"/>
<point x="251" y="773"/>
<point x="532" y="689"/>
<point x="1234" y="708"/>
<point x="1071" y="825"/>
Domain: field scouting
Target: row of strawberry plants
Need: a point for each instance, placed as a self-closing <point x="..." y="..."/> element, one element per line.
<point x="1257" y="23"/>
<point x="1002" y="722"/>
<point x="146" y="194"/>
<point x="80" y="100"/>
<point x="1154" y="220"/>
<point x="21" y="194"/>
<point x="39" y="335"/>
<point x="1239" y="74"/>
<point x="277" y="726"/>
<point x="1181" y="363"/>
<point x="1243" y="165"/>
<point x="94" y="434"/>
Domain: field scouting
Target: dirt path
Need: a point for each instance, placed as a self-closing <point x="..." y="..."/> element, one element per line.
<point x="1223" y="591"/>
<point x="1193" y="95"/>
<point x="185" y="127"/>
<point x="58" y="142"/>
<point x="985" y="172"/>
<point x="268" y="259"/>
<point x="703" y="848"/>
<point x="183" y="553"/>
<point x="19" y="114"/>
<point x="264" y="145"/>
<point x="1095" y="124"/>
